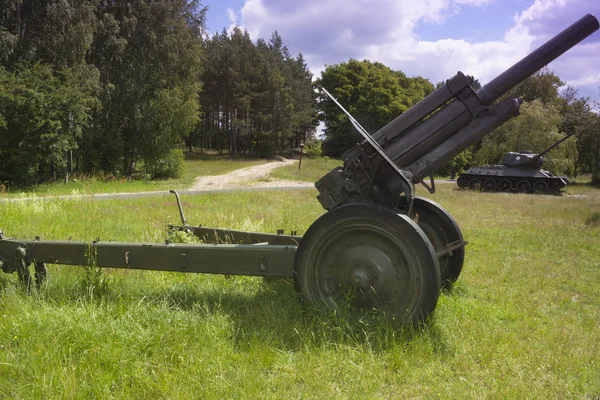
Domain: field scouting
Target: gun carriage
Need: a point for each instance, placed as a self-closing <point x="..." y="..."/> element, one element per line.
<point x="378" y="244"/>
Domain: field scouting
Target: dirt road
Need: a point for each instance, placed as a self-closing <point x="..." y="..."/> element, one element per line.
<point x="256" y="177"/>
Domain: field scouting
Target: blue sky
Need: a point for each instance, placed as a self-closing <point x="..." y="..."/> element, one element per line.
<point x="430" y="38"/>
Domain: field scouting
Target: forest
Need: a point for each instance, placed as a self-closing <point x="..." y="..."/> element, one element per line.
<point x="110" y="88"/>
<point x="106" y="88"/>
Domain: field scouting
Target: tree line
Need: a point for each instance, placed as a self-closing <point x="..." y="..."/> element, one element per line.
<point x="375" y="95"/>
<point x="256" y="98"/>
<point x="372" y="92"/>
<point x="105" y="87"/>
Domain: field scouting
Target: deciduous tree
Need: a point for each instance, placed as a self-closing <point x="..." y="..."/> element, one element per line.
<point x="536" y="129"/>
<point x="371" y="92"/>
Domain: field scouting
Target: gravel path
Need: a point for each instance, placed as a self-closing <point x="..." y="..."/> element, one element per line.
<point x="255" y="177"/>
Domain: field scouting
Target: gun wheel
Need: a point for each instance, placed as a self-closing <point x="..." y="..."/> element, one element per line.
<point x="445" y="236"/>
<point x="367" y="256"/>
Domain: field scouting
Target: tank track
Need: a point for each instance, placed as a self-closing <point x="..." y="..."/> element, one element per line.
<point x="516" y="184"/>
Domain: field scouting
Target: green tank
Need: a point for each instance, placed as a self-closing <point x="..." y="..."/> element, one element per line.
<point x="520" y="172"/>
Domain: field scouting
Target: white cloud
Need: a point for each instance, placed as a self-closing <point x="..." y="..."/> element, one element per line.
<point x="539" y="10"/>
<point x="367" y="20"/>
<point x="331" y="31"/>
<point x="233" y="19"/>
<point x="586" y="80"/>
<point x="476" y="3"/>
<point x="232" y="16"/>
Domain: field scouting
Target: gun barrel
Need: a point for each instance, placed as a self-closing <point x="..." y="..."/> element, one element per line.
<point x="554" y="145"/>
<point x="415" y="133"/>
<point x="540" y="57"/>
<point x="442" y="125"/>
<point x="464" y="138"/>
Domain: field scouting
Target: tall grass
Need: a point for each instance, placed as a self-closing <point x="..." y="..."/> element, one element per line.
<point x="522" y="321"/>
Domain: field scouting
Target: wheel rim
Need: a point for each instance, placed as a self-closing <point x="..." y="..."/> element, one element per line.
<point x="475" y="184"/>
<point x="361" y="263"/>
<point x="505" y="186"/>
<point x="523" y="186"/>
<point x="441" y="230"/>
<point x="540" y="187"/>
<point x="368" y="257"/>
<point x="489" y="185"/>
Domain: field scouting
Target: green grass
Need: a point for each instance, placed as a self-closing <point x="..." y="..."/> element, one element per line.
<point x="522" y="321"/>
<point x="581" y="179"/>
<point x="311" y="169"/>
<point x="196" y="164"/>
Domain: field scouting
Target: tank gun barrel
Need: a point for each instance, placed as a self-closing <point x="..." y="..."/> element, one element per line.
<point x="554" y="145"/>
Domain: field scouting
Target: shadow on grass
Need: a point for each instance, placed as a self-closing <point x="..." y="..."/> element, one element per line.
<point x="273" y="315"/>
<point x="276" y="316"/>
<point x="454" y="289"/>
<point x="593" y="219"/>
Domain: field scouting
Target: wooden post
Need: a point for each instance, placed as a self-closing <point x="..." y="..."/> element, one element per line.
<point x="300" y="162"/>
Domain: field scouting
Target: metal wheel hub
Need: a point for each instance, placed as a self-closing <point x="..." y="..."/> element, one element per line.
<point x="362" y="266"/>
<point x="368" y="257"/>
<point x="362" y="278"/>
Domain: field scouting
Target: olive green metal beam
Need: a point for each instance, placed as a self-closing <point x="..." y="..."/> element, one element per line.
<point x="230" y="259"/>
<point x="216" y="236"/>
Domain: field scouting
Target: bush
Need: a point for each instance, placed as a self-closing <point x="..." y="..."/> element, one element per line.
<point x="313" y="148"/>
<point x="169" y="166"/>
<point x="265" y="149"/>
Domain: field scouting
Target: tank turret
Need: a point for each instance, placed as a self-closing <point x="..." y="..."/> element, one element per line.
<point x="520" y="171"/>
<point x="522" y="159"/>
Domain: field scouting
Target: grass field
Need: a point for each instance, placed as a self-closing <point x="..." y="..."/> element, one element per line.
<point x="196" y="164"/>
<point x="522" y="322"/>
<point x="311" y="169"/>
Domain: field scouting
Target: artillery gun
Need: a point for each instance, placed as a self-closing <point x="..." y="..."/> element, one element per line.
<point x="520" y="172"/>
<point x="378" y="245"/>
